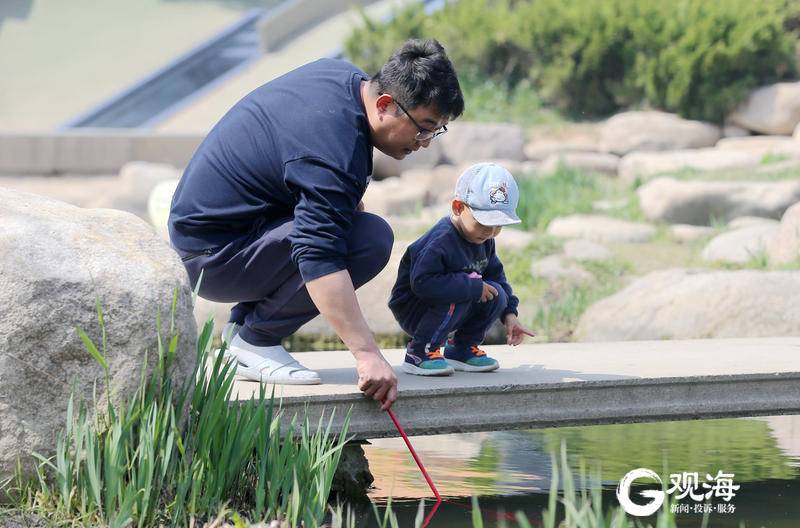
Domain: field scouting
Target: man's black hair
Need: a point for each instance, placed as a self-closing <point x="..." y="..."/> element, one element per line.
<point x="420" y="74"/>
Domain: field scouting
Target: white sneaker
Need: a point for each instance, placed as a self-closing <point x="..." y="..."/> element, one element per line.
<point x="271" y="364"/>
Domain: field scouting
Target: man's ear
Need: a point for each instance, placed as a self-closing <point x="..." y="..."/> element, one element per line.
<point x="457" y="206"/>
<point x="382" y="102"/>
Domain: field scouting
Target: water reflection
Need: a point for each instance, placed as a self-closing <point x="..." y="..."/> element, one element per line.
<point x="511" y="469"/>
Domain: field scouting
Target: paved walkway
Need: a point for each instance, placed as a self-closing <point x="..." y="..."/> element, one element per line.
<point x="542" y="385"/>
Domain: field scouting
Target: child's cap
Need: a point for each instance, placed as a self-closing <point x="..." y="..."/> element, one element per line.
<point x="491" y="192"/>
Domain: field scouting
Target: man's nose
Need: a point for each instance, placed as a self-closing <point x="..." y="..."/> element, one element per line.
<point x="425" y="142"/>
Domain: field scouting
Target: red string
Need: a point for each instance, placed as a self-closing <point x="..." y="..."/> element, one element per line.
<point x="497" y="515"/>
<point x="421" y="468"/>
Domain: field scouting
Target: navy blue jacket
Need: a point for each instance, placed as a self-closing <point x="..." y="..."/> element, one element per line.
<point x="435" y="270"/>
<point x="298" y="146"/>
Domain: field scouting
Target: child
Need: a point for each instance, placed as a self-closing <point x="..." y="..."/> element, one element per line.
<point x="451" y="279"/>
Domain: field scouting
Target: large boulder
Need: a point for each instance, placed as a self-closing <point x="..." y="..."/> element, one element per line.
<point x="785" y="247"/>
<point x="58" y="260"/>
<point x="653" y="130"/>
<point x="773" y="109"/>
<point x="695" y="303"/>
<point x="646" y="164"/>
<point x="600" y="229"/>
<point x="466" y="142"/>
<point x="586" y="161"/>
<point x="541" y="149"/>
<point x="740" y="245"/>
<point x="698" y="202"/>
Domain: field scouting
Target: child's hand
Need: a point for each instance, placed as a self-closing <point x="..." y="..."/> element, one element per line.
<point x="489" y="292"/>
<point x="515" y="332"/>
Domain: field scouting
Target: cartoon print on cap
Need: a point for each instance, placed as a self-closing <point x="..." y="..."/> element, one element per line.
<point x="498" y="194"/>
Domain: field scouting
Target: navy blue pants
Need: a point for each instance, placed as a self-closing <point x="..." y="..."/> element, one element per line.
<point x="429" y="325"/>
<point x="257" y="272"/>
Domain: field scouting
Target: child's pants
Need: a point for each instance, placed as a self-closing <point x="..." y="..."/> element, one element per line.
<point x="257" y="272"/>
<point x="429" y="325"/>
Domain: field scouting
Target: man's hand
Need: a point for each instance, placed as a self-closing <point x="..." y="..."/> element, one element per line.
<point x="335" y="297"/>
<point x="376" y="378"/>
<point x="489" y="292"/>
<point x="515" y="332"/>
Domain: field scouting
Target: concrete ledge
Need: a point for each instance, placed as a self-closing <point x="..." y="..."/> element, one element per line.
<point x="88" y="151"/>
<point x="282" y="24"/>
<point x="565" y="384"/>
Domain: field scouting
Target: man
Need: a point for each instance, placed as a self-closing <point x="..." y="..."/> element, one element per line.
<point x="269" y="208"/>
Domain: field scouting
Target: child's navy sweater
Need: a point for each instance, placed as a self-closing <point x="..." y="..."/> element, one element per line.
<point x="435" y="270"/>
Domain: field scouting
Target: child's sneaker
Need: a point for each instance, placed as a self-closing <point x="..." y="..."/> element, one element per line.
<point x="469" y="359"/>
<point x="429" y="363"/>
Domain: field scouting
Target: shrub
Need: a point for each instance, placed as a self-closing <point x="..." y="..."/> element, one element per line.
<point x="593" y="57"/>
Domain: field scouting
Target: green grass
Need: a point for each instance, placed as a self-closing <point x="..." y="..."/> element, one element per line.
<point x="571" y="191"/>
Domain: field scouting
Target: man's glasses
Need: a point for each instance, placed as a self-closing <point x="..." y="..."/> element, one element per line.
<point x="424" y="134"/>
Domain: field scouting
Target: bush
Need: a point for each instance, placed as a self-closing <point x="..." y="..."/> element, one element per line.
<point x="593" y="57"/>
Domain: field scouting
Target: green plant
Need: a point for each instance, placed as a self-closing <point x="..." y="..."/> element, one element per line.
<point x="168" y="456"/>
<point x="563" y="192"/>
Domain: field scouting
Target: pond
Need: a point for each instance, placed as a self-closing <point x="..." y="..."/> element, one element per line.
<point x="511" y="470"/>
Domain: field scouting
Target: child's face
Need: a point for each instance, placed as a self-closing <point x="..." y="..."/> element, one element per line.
<point x="468" y="227"/>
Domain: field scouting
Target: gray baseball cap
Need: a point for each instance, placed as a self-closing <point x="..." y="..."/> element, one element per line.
<point x="491" y="192"/>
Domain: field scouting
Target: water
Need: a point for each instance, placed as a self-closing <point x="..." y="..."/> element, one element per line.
<point x="511" y="470"/>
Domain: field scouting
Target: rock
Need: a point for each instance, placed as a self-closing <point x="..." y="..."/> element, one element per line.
<point x="540" y="150"/>
<point x="384" y="166"/>
<point x="513" y="239"/>
<point x="438" y="183"/>
<point x="353" y="477"/>
<point x="394" y="197"/>
<point x="698" y="202"/>
<point x="734" y="131"/>
<point x="218" y="312"/>
<point x="740" y="245"/>
<point x="655" y="131"/>
<point x="762" y="145"/>
<point x="785" y="247"/>
<point x="556" y="268"/>
<point x="373" y="298"/>
<point x="773" y="109"/>
<point x="57" y="260"/>
<point x="750" y="221"/>
<point x="695" y="304"/>
<point x="159" y="204"/>
<point x="600" y="229"/>
<point x="137" y="179"/>
<point x="645" y="164"/>
<point x="586" y="161"/>
<point x="580" y="250"/>
<point x="474" y="142"/>
<point x="688" y="232"/>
